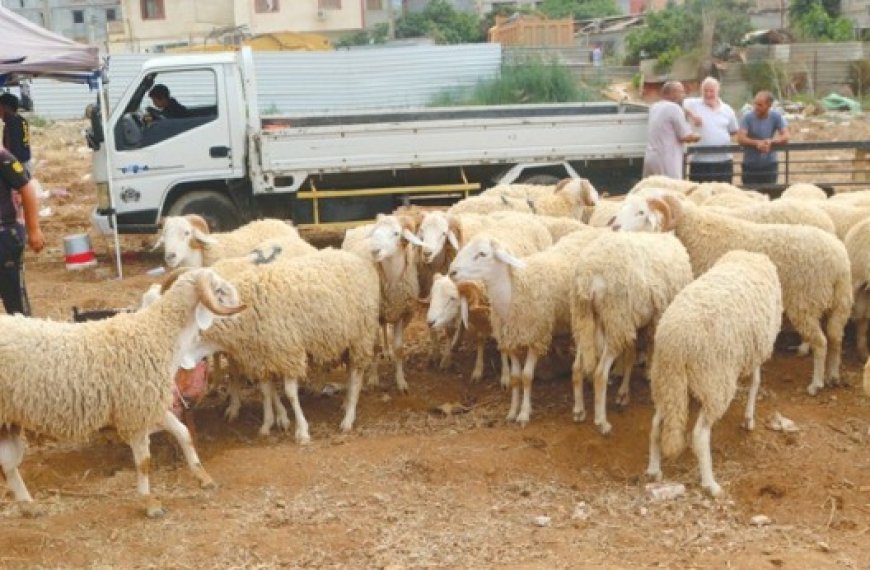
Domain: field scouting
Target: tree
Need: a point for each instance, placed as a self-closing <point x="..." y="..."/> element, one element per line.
<point x="442" y="23"/>
<point x="676" y="30"/>
<point x="819" y="20"/>
<point x="579" y="9"/>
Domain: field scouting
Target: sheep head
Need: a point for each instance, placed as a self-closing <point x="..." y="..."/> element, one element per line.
<point x="479" y="260"/>
<point x="391" y="234"/>
<point x="436" y="230"/>
<point x="183" y="239"/>
<point x="443" y="302"/>
<point x="647" y="214"/>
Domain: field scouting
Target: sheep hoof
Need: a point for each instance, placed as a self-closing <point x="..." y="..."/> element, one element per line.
<point x="154" y="510"/>
<point x="476" y="378"/>
<point x="622" y="399"/>
<point x="231" y="414"/>
<point x="812" y="389"/>
<point x="284" y="424"/>
<point x="603" y="427"/>
<point x="303" y="438"/>
<point x="265" y="431"/>
<point x="346" y="427"/>
<point x="208" y="484"/>
<point x="748" y="424"/>
<point x="31" y="510"/>
<point x="512" y="416"/>
<point x="403" y="388"/>
<point x="713" y="489"/>
<point x="580" y="416"/>
<point x="523" y="419"/>
<point x="654" y="475"/>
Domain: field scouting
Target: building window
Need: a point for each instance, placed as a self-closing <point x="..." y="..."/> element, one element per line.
<point x="329" y="4"/>
<point x="111" y="15"/>
<point x="375" y="4"/>
<point x="152" y="9"/>
<point x="265" y="6"/>
<point x="78" y="16"/>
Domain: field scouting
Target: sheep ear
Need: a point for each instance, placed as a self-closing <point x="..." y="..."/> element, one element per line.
<point x="411" y="237"/>
<point x="203" y="237"/>
<point x="588" y="193"/>
<point x="506" y="257"/>
<point x="463" y="311"/>
<point x="204" y="317"/>
<point x="663" y="208"/>
<point x="188" y="362"/>
<point x="454" y="232"/>
<point x="454" y="241"/>
<point x="157" y="244"/>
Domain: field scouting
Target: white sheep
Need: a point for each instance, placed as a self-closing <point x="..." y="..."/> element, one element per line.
<point x="623" y="284"/>
<point x="804" y="191"/>
<point x="858" y="247"/>
<point x="664" y="183"/>
<point x="808" y="296"/>
<point x="319" y="308"/>
<point x="569" y="199"/>
<point x="529" y="300"/>
<point x="720" y="328"/>
<point x="453" y="306"/>
<point x="187" y="242"/>
<point x="791" y="212"/>
<point x="70" y="380"/>
<point x="844" y="215"/>
<point x="851" y="197"/>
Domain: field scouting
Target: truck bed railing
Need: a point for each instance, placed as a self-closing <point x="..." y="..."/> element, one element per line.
<point x="827" y="164"/>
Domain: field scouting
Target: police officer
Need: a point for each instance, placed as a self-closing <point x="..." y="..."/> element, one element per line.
<point x="15" y="179"/>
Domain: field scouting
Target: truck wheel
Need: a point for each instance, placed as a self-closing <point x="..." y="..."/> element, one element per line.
<point x="218" y="210"/>
<point x="541" y="179"/>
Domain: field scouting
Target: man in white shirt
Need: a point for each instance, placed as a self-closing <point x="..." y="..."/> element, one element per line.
<point x="668" y="129"/>
<point x="716" y="122"/>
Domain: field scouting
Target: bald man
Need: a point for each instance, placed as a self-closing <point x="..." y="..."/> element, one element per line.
<point x="667" y="131"/>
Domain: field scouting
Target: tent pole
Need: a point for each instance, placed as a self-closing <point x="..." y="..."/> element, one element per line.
<point x="113" y="216"/>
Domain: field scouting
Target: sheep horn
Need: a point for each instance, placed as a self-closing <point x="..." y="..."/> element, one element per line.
<point x="659" y="205"/>
<point x="172" y="277"/>
<point x="208" y="299"/>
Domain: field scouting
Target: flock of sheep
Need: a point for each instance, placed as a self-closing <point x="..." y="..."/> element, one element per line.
<point x="697" y="277"/>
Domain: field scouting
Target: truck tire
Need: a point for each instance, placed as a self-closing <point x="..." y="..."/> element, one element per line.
<point x="541" y="179"/>
<point x="217" y="209"/>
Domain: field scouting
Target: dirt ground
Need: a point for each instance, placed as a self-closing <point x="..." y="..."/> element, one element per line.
<point x="411" y="487"/>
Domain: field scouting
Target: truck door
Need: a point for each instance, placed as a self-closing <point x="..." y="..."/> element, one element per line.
<point x="188" y="142"/>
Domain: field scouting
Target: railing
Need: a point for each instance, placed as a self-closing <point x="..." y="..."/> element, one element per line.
<point x="826" y="164"/>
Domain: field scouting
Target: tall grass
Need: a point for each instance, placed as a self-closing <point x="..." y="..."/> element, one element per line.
<point x="527" y="81"/>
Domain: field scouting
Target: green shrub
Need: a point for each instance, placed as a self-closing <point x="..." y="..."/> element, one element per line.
<point x="766" y="75"/>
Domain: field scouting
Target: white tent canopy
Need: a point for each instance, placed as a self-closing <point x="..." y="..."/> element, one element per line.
<point x="30" y="50"/>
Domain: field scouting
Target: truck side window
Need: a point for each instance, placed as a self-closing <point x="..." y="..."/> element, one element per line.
<point x="191" y="102"/>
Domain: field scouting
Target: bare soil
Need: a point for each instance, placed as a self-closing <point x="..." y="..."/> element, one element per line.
<point x="414" y="487"/>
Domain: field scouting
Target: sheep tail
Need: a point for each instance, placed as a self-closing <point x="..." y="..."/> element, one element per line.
<point x="671" y="397"/>
<point x="583" y="327"/>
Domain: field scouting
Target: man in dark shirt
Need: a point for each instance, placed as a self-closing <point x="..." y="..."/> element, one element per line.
<point x="169" y="107"/>
<point x="760" y="131"/>
<point x="14" y="179"/>
<point x="16" y="131"/>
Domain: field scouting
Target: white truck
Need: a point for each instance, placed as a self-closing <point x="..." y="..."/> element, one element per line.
<point x="223" y="160"/>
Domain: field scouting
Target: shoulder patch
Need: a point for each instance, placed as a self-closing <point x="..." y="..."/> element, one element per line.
<point x="17" y="167"/>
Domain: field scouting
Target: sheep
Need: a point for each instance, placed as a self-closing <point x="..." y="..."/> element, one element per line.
<point x="187" y="242"/>
<point x="791" y="212"/>
<point x="664" y="183"/>
<point x="604" y="212"/>
<point x="452" y="306"/>
<point x="529" y="300"/>
<point x="808" y="296"/>
<point x="725" y="200"/>
<point x="851" y="197"/>
<point x="569" y="198"/>
<point x="69" y="380"/>
<point x="867" y="377"/>
<point x="858" y="247"/>
<point x="804" y="191"/>
<point x="525" y="191"/>
<point x="703" y="345"/>
<point x="844" y="215"/>
<point x="387" y="245"/>
<point x="322" y="306"/>
<point x="623" y="285"/>
<point x="559" y="227"/>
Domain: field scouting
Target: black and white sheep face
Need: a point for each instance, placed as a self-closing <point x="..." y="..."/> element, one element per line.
<point x="182" y="242"/>
<point x="635" y="215"/>
<point x="444" y="303"/>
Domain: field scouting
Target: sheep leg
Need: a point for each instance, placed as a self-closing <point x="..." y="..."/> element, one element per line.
<point x="629" y="357"/>
<point x="268" y="413"/>
<point x="834" y="329"/>
<point x="811" y="332"/>
<point x="387" y="351"/>
<point x="182" y="435"/>
<point x="654" y="467"/>
<point x="577" y="382"/>
<point x="803" y="349"/>
<point x="280" y="411"/>
<point x="515" y="382"/>
<point x="142" y="457"/>
<point x="11" y="454"/>
<point x="861" y="339"/>
<point x="477" y="373"/>
<point x="291" y="388"/>
<point x="701" y="446"/>
<point x="749" y="416"/>
<point x="528" y="378"/>
<point x="399" y="354"/>
<point x="234" y="392"/>
<point x="446" y="347"/>
<point x="353" y="390"/>
<point x="505" y="380"/>
<point x="602" y="371"/>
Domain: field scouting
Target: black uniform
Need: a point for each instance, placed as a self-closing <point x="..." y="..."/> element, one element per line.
<point x="13" y="177"/>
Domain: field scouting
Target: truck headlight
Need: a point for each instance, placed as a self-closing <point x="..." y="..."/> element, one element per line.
<point x="103" y="200"/>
